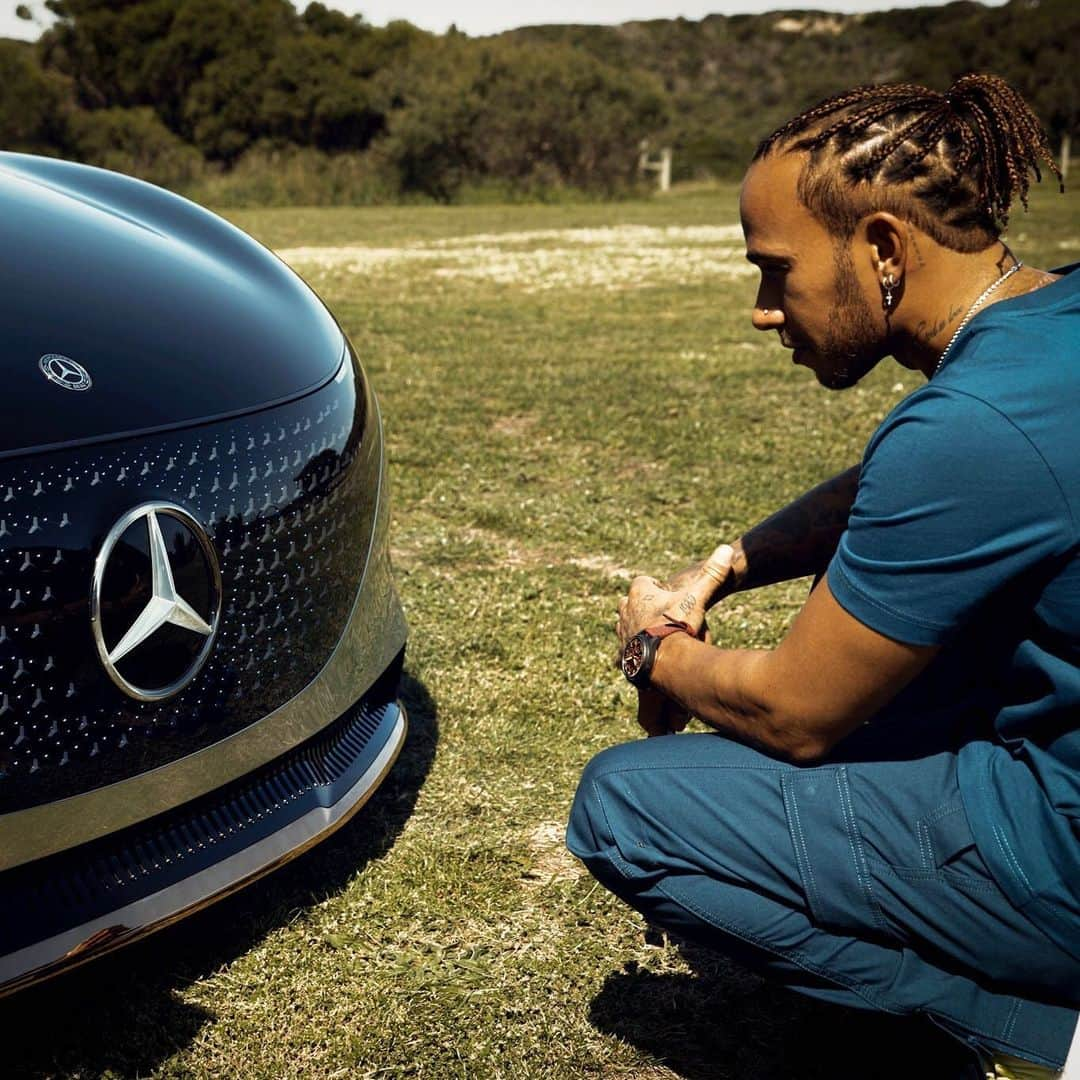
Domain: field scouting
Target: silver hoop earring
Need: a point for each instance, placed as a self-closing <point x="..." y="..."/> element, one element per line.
<point x="888" y="283"/>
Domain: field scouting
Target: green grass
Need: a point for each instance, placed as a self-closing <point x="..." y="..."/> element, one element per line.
<point x="544" y="443"/>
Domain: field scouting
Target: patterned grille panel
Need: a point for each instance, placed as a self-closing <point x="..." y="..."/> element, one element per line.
<point x="288" y="498"/>
<point x="66" y="890"/>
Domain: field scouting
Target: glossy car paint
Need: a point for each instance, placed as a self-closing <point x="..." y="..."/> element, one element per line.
<point x="177" y="315"/>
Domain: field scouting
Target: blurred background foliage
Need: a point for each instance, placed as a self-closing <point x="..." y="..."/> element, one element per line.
<point x="250" y="102"/>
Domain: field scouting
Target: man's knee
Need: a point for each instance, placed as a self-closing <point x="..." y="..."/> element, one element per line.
<point x="603" y="817"/>
<point x="588" y="831"/>
<point x="646" y="780"/>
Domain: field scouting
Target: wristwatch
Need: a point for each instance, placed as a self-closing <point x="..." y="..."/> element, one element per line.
<point x="639" y="652"/>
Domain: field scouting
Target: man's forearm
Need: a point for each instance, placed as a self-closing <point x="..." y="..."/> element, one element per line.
<point x="723" y="688"/>
<point x="828" y="675"/>
<point x="798" y="540"/>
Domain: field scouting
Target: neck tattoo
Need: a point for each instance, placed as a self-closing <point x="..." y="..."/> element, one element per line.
<point x="979" y="301"/>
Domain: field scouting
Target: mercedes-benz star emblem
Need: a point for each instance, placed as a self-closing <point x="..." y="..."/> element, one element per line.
<point x="63" y="371"/>
<point x="170" y="576"/>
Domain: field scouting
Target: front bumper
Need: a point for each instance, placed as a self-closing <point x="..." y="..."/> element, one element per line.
<point x="80" y="904"/>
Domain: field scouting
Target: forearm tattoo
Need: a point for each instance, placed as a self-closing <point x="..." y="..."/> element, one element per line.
<point x="800" y="539"/>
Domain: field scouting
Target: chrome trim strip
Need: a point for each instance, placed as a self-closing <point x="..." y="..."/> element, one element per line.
<point x="373" y="636"/>
<point x="200" y="889"/>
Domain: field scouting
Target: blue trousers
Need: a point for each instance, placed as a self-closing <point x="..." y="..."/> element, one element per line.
<point x="854" y="881"/>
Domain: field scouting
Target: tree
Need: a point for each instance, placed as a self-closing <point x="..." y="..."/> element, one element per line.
<point x="34" y="104"/>
<point x="530" y="116"/>
<point x="133" y="141"/>
<point x="529" y="109"/>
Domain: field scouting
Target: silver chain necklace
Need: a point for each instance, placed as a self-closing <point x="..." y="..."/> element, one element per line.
<point x="979" y="301"/>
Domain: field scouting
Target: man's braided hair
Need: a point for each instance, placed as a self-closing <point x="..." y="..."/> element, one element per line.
<point x="951" y="162"/>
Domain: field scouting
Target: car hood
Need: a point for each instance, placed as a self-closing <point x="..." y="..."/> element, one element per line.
<point x="177" y="316"/>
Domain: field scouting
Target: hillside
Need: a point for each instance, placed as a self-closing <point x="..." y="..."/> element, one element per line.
<point x="731" y="79"/>
<point x="252" y="101"/>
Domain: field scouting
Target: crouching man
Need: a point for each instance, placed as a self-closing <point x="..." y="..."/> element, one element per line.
<point x="889" y="815"/>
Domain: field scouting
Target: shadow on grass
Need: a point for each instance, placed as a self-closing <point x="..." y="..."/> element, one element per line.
<point x="122" y="1016"/>
<point x="724" y="1023"/>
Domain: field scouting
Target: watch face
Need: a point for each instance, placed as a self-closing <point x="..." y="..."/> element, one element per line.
<point x="633" y="657"/>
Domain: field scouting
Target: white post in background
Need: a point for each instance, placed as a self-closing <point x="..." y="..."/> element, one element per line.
<point x="665" y="169"/>
<point x="1066" y="150"/>
<point x="661" y="165"/>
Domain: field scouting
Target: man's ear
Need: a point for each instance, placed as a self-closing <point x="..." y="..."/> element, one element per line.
<point x="885" y="237"/>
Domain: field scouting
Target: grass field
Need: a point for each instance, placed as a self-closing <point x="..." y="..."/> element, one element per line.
<point x="571" y="394"/>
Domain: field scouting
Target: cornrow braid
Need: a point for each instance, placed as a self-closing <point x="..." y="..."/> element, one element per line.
<point x="952" y="162"/>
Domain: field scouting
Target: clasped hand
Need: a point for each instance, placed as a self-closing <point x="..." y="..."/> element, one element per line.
<point x="650" y="603"/>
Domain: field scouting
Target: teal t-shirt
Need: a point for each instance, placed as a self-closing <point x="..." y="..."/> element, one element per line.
<point x="965" y="533"/>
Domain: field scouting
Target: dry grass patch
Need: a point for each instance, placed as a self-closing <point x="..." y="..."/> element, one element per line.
<point x="549" y="861"/>
<point x="610" y="259"/>
<point x="515" y="425"/>
<point x="478" y="548"/>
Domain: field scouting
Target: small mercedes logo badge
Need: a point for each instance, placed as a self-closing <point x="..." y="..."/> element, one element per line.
<point x="65" y="372"/>
<point x="155" y="600"/>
